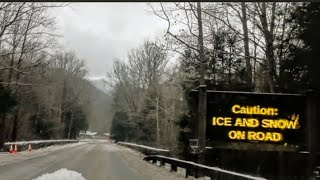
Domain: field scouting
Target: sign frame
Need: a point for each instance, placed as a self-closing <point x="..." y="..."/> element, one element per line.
<point x="264" y="146"/>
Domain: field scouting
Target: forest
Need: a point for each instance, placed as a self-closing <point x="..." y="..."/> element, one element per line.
<point x="44" y="90"/>
<point x="268" y="47"/>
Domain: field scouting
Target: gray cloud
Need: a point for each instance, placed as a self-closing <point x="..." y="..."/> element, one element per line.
<point x="98" y="32"/>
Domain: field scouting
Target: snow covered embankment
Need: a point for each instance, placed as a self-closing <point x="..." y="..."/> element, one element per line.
<point x="132" y="145"/>
<point x="36" y="144"/>
<point x="6" y="158"/>
<point x="41" y="142"/>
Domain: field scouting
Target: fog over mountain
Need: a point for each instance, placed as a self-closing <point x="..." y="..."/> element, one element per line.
<point x="100" y="84"/>
<point x="100" y="114"/>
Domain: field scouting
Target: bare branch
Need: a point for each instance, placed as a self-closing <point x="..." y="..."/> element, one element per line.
<point x="21" y="72"/>
<point x="20" y="84"/>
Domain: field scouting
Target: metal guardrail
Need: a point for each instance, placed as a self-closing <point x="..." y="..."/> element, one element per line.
<point x="40" y="142"/>
<point x="23" y="145"/>
<point x="197" y="170"/>
<point x="192" y="168"/>
<point x="147" y="150"/>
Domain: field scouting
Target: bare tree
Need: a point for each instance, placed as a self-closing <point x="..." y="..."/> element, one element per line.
<point x="262" y="31"/>
<point x="24" y="41"/>
<point x="139" y="80"/>
<point x="68" y="71"/>
<point x="23" y="38"/>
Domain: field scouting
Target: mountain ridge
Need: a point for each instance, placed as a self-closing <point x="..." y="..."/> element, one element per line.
<point x="100" y="113"/>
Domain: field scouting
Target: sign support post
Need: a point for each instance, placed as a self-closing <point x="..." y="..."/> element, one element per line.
<point x="281" y="170"/>
<point x="311" y="129"/>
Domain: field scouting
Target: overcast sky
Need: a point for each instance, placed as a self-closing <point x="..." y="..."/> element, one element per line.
<point x="99" y="32"/>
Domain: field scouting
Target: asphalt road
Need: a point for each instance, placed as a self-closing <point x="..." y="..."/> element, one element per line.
<point x="96" y="160"/>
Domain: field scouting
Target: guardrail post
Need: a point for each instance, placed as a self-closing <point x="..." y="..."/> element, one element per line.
<point x="196" y="172"/>
<point x="281" y="168"/>
<point x="214" y="175"/>
<point x="173" y="168"/>
<point x="162" y="163"/>
<point x="187" y="172"/>
<point x="154" y="160"/>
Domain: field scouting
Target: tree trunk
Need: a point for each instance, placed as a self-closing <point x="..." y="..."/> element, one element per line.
<point x="2" y="127"/>
<point x="157" y="119"/>
<point x="70" y="125"/>
<point x="246" y="45"/>
<point x="61" y="105"/>
<point x="268" y="35"/>
<point x="172" y="118"/>
<point x="15" y="124"/>
<point x="12" y="55"/>
<point x="229" y="67"/>
<point x="254" y="54"/>
<point x="202" y="92"/>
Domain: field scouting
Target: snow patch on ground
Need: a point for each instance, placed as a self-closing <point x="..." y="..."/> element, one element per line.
<point x="62" y="174"/>
<point x="88" y="133"/>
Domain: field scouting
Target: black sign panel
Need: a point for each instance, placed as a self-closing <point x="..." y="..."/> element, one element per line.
<point x="256" y="117"/>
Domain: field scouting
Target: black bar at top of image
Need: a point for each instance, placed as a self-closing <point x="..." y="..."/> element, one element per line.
<point x="151" y="1"/>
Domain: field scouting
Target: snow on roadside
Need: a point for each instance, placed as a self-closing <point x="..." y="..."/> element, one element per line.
<point x="141" y="156"/>
<point x="145" y="147"/>
<point x="39" y="141"/>
<point x="62" y="174"/>
<point x="217" y="169"/>
<point x="88" y="133"/>
<point x="24" y="155"/>
<point x="134" y="160"/>
<point x="85" y="140"/>
<point x="55" y="147"/>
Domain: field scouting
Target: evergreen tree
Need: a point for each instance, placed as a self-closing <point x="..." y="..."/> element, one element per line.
<point x="300" y="70"/>
<point x="121" y="128"/>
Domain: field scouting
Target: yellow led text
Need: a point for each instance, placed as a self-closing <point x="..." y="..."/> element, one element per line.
<point x="246" y="122"/>
<point x="281" y="123"/>
<point x="256" y="124"/>
<point x="255" y="136"/>
<point x="240" y="135"/>
<point x="264" y="136"/>
<point x="221" y="121"/>
<point x="269" y="111"/>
